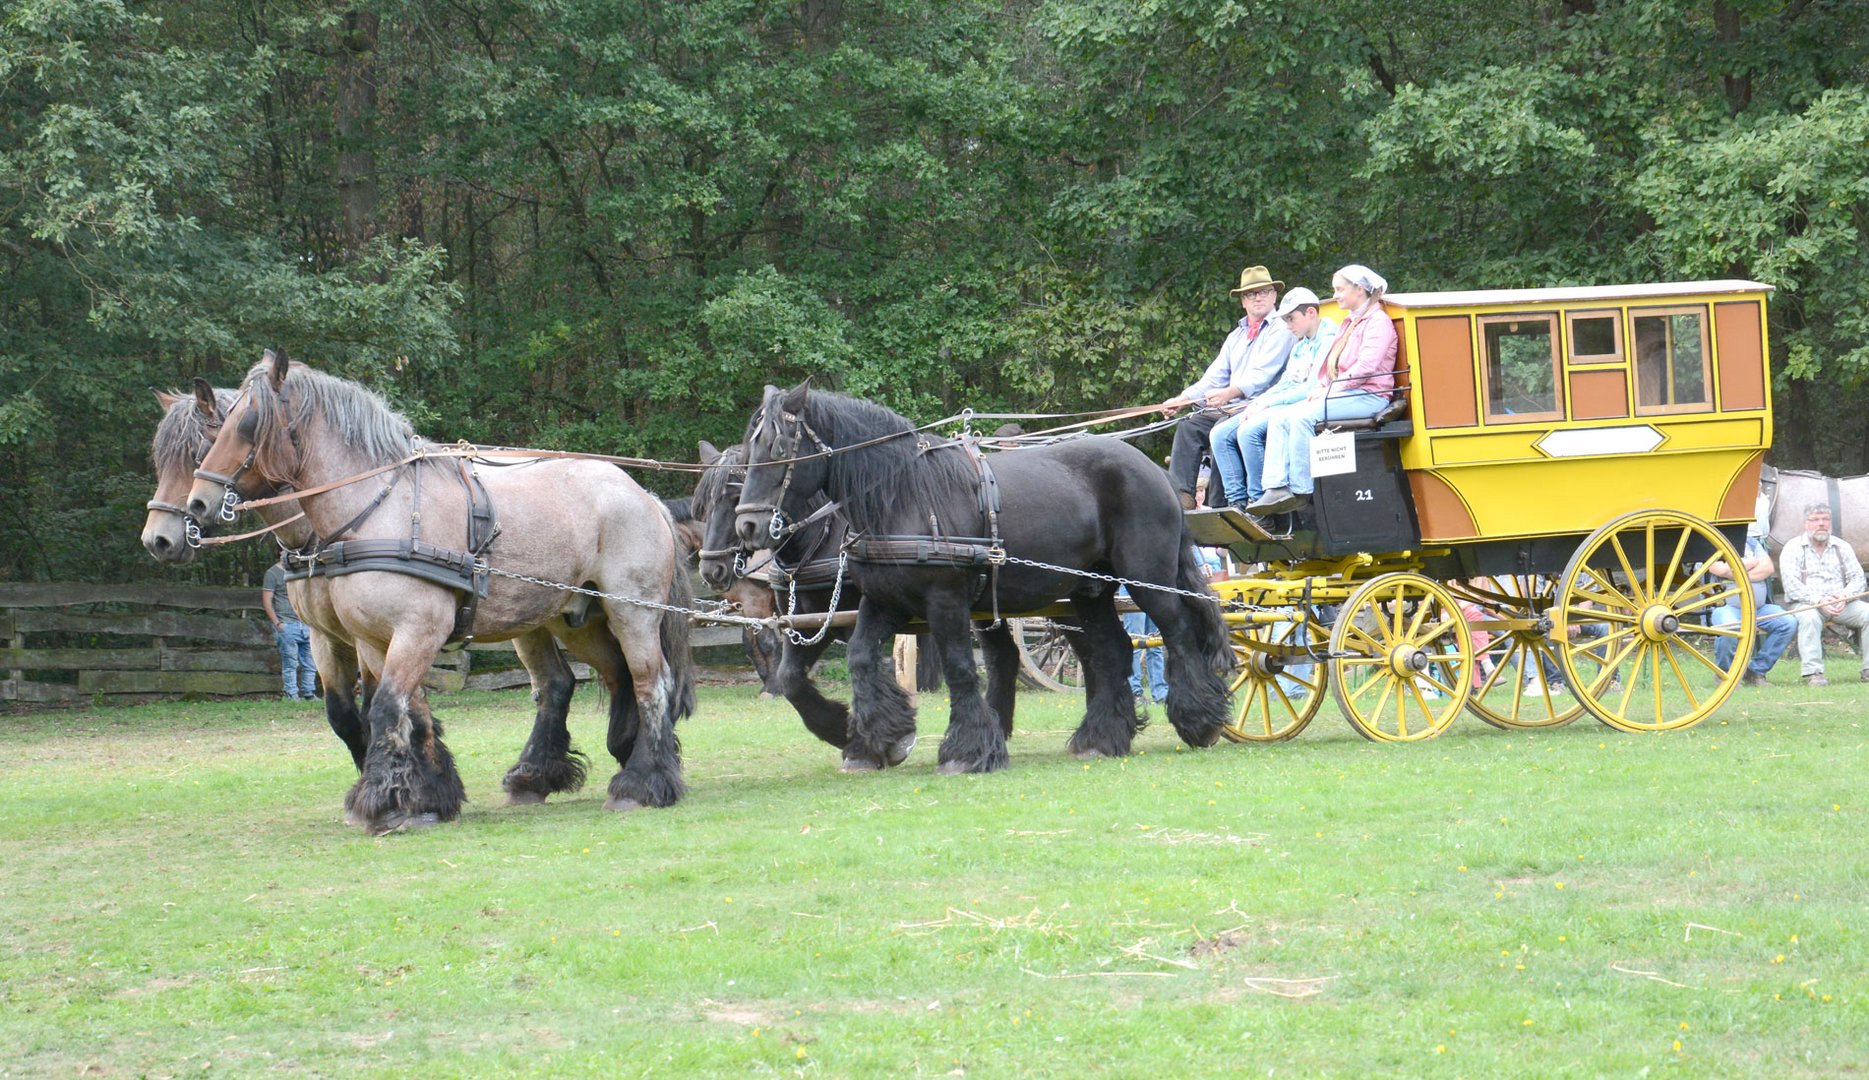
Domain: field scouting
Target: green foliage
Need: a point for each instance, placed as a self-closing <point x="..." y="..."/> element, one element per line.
<point x="605" y="226"/>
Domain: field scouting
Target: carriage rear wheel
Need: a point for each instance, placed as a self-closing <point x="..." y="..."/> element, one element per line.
<point x="1046" y="659"/>
<point x="1517" y="685"/>
<point x="1633" y="622"/>
<point x="1401" y="659"/>
<point x="1275" y="697"/>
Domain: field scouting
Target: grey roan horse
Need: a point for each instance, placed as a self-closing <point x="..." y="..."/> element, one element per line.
<point x="576" y="522"/>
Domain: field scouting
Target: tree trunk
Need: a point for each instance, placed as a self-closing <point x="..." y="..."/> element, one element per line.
<point x="355" y="122"/>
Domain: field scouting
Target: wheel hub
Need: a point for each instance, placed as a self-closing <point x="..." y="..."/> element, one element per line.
<point x="1659" y="622"/>
<point x="1407" y="661"/>
<point x="1265" y="665"/>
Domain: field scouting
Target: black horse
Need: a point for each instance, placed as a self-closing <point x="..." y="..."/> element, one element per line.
<point x="1098" y="509"/>
<point x="802" y="575"/>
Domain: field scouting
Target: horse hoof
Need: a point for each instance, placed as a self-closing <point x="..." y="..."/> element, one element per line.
<point x="1087" y="755"/>
<point x="405" y="823"/>
<point x="859" y="765"/>
<point x="953" y="768"/>
<point x="524" y="798"/>
<point x="899" y="753"/>
<point x="767" y="695"/>
<point x="621" y="805"/>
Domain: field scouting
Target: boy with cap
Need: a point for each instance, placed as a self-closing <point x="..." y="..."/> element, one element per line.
<point x="1250" y="359"/>
<point x="1239" y="441"/>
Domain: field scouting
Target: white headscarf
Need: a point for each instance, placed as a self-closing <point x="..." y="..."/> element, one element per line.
<point x="1363" y="277"/>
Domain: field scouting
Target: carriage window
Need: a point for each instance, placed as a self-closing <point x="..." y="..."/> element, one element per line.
<point x="1671" y="360"/>
<point x="1521" y="367"/>
<point x="1595" y="337"/>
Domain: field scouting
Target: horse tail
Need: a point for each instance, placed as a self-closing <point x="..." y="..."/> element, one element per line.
<point x="1210" y="628"/>
<point x="677" y="654"/>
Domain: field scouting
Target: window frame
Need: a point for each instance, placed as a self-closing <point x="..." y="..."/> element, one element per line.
<point x="1708" y="403"/>
<point x="1614" y="315"/>
<point x="1559" y="391"/>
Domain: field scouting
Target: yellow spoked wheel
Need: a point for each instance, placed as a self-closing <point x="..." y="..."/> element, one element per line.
<point x="1275" y="696"/>
<point x="1634" y="622"/>
<point x="1401" y="659"/>
<point x="1517" y="684"/>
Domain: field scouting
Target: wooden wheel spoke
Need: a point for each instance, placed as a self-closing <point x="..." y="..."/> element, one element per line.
<point x="1434" y="632"/>
<point x="1674" y="564"/>
<point x="1500" y="666"/>
<point x="1591" y="614"/>
<point x="1609" y="595"/>
<point x="1712" y="599"/>
<point x="1401" y="711"/>
<point x="1356" y="692"/>
<point x="1731" y="631"/>
<point x="1654" y="660"/>
<point x="1443" y="687"/>
<point x="1693" y="699"/>
<point x="1637" y="592"/>
<point x="1422" y="704"/>
<point x="1353" y="630"/>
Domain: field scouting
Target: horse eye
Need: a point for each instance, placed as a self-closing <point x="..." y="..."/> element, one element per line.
<point x="249" y="426"/>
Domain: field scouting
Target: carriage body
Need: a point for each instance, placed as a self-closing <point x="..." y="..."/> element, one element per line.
<point x="1566" y="461"/>
<point x="1547" y="412"/>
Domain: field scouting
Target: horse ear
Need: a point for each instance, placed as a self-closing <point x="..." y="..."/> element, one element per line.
<point x="795" y="398"/>
<point x="709" y="454"/>
<point x="204" y="397"/>
<point x="280" y="365"/>
<point x="165" y="398"/>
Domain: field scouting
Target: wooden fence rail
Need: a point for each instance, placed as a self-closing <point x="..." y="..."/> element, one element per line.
<point x="68" y="642"/>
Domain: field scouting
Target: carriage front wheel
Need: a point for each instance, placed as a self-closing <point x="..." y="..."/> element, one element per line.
<point x="1276" y="692"/>
<point x="1636" y="626"/>
<point x="1401" y="658"/>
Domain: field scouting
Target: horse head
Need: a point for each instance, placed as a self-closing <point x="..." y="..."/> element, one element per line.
<point x="188" y="427"/>
<point x="786" y="462"/>
<point x="248" y="453"/>
<point x="716" y="494"/>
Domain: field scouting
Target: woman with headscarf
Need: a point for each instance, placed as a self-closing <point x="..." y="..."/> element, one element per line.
<point x="1353" y="383"/>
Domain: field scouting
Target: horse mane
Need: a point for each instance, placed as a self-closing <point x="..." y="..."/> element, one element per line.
<point x="358" y="416"/>
<point x="884" y="478"/>
<point x="178" y="436"/>
<point x="712" y="487"/>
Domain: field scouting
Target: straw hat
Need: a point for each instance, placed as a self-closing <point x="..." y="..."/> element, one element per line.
<point x="1256" y="277"/>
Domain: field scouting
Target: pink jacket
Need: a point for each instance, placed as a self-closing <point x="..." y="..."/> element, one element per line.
<point x="1364" y="355"/>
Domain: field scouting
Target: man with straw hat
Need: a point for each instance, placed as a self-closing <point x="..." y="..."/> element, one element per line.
<point x="1250" y="359"/>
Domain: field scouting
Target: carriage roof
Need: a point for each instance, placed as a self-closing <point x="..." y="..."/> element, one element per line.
<point x="1612" y="294"/>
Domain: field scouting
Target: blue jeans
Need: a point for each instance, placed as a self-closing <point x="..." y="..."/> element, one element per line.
<point x="1289" y="430"/>
<point x="1239" y="456"/>
<point x="1140" y="625"/>
<point x="296" y="669"/>
<point x="1774" y="637"/>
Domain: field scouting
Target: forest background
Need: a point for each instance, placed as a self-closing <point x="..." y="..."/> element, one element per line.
<point x="598" y="225"/>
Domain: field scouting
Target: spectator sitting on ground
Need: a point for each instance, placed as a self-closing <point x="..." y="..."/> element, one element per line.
<point x="1822" y="576"/>
<point x="1775" y="627"/>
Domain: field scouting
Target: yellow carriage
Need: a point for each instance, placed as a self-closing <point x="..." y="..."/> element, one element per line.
<point x="1557" y="469"/>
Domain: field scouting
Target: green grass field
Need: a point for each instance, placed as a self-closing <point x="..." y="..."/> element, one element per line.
<point x="181" y="897"/>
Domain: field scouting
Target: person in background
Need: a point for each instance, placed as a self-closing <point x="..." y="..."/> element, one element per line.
<point x="1250" y="359"/>
<point x="1822" y="575"/>
<point x="1238" y="442"/>
<point x="1353" y="383"/>
<point x="1775" y="627"/>
<point x="296" y="670"/>
<point x="1146" y="661"/>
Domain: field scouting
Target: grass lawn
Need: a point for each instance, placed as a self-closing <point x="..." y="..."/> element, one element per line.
<point x="179" y="896"/>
